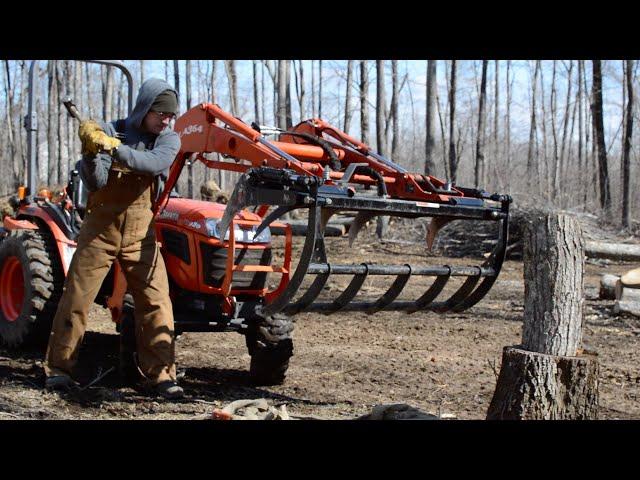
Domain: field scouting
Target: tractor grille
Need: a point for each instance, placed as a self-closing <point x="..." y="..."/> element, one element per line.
<point x="214" y="261"/>
<point x="176" y="243"/>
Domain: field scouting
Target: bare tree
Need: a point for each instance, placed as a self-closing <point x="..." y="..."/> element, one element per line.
<point x="256" y="102"/>
<point x="626" y="163"/>
<point x="107" y="94"/>
<point x="282" y="94"/>
<point x="381" y="108"/>
<point x="598" y="127"/>
<point x="313" y="90"/>
<point x="288" y="93"/>
<point x="394" y="109"/>
<point x="230" y="66"/>
<point x="347" y="97"/>
<point x="429" y="164"/>
<point x="565" y="122"/>
<point x="187" y="83"/>
<point x="479" y="170"/>
<point x="176" y="76"/>
<point x="496" y="110"/>
<point x="453" y="161"/>
<point x="508" y="116"/>
<point x="320" y="88"/>
<point x="364" y="102"/>
<point x="141" y="72"/>
<point x="532" y="171"/>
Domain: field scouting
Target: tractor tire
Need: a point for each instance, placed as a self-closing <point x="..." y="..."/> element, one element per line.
<point x="31" y="283"/>
<point x="270" y="345"/>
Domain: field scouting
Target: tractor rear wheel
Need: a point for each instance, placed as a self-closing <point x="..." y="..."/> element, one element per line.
<point x="270" y="345"/>
<point x="31" y="283"/>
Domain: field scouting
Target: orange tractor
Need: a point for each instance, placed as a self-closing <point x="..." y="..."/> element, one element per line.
<point x="218" y="256"/>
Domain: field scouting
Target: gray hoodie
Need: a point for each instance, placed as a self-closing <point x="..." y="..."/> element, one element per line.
<point x="141" y="151"/>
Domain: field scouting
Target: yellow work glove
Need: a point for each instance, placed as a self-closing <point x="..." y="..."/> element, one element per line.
<point x="94" y="139"/>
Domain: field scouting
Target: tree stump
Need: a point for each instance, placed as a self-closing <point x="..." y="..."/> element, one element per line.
<point x="543" y="378"/>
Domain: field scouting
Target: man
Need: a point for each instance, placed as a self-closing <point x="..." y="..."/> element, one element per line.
<point x="211" y="192"/>
<point x="123" y="179"/>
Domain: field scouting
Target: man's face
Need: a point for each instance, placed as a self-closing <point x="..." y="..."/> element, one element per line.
<point x="155" y="122"/>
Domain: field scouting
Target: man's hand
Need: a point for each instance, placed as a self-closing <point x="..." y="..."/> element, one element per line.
<point x="94" y="139"/>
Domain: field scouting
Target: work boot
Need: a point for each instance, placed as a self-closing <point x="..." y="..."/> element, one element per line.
<point x="60" y="382"/>
<point x="170" y="390"/>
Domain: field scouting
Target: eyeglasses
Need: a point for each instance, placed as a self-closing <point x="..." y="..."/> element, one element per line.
<point x="163" y="115"/>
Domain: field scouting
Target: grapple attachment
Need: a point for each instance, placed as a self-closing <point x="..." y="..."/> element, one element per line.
<point x="288" y="190"/>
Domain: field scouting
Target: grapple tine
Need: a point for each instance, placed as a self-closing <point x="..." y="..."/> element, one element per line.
<point x="358" y="222"/>
<point x="391" y="294"/>
<point x="462" y="293"/>
<point x="325" y="217"/>
<point x="308" y="251"/>
<point x="433" y="291"/>
<point x="349" y="293"/>
<point x="273" y="216"/>
<point x="319" y="255"/>
<point x="434" y="227"/>
<point x="236" y="203"/>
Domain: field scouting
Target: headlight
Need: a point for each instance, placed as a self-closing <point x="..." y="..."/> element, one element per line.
<point x="240" y="234"/>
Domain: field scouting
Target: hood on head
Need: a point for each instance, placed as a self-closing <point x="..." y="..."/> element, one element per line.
<point x="148" y="92"/>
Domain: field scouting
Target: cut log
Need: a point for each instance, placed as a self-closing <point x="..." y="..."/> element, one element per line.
<point x="535" y="386"/>
<point x="608" y="286"/>
<point x="613" y="251"/>
<point x="543" y="378"/>
<point x="632" y="308"/>
<point x="553" y="284"/>
<point x="300" y="228"/>
<point x="626" y="294"/>
<point x="631" y="278"/>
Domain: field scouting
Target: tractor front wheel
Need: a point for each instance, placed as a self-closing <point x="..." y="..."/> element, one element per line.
<point x="270" y="345"/>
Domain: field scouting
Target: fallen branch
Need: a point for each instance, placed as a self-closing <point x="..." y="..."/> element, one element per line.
<point x="97" y="379"/>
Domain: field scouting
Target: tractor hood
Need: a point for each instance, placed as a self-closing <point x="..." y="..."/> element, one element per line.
<point x="193" y="214"/>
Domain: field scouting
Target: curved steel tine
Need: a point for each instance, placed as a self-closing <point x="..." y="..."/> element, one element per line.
<point x="307" y="254"/>
<point x="326" y="215"/>
<point x="273" y="216"/>
<point x="391" y="294"/>
<point x="433" y="291"/>
<point x="319" y="255"/>
<point x="434" y="227"/>
<point x="238" y="200"/>
<point x="462" y="293"/>
<point x="495" y="260"/>
<point x="351" y="291"/>
<point x="358" y="222"/>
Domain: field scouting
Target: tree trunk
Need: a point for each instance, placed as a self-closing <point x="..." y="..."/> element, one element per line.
<point x="282" y="94"/>
<point x="187" y="84"/>
<point x="394" y="109"/>
<point x="364" y="102"/>
<point x="496" y="112"/>
<point x="613" y="251"/>
<point x="532" y="130"/>
<point x="107" y="95"/>
<point x="301" y="97"/>
<point x="8" y="95"/>
<point x="479" y="170"/>
<point x="598" y="127"/>
<point x="176" y="77"/>
<point x="381" y="108"/>
<point x="553" y="107"/>
<point x="508" y="118"/>
<point x="313" y="90"/>
<point x="626" y="158"/>
<point x="288" y="93"/>
<point x="347" y="97"/>
<point x="543" y="378"/>
<point x="62" y="150"/>
<point x="319" y="88"/>
<point x="256" y="103"/>
<point x="536" y="386"/>
<point x="141" y="72"/>
<point x="52" y="117"/>
<point x="565" y="123"/>
<point x="453" y="161"/>
<point x="429" y="163"/>
<point x="230" y="66"/>
<point x="263" y="110"/>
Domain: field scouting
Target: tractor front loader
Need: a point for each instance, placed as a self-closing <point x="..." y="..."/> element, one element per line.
<point x="317" y="167"/>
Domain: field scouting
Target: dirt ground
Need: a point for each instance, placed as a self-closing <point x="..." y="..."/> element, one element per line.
<point x="344" y="364"/>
